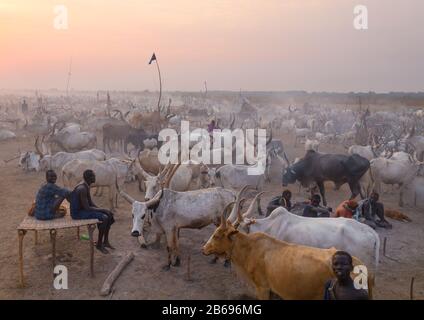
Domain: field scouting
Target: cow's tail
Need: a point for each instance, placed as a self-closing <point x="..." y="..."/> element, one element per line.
<point x="377" y="252"/>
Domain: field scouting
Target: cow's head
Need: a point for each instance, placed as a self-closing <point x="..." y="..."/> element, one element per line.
<point x="289" y="176"/>
<point x="30" y="161"/>
<point x="220" y="243"/>
<point x="141" y="212"/>
<point x="152" y="184"/>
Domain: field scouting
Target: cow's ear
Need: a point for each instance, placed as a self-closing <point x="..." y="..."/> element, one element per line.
<point x="231" y="233"/>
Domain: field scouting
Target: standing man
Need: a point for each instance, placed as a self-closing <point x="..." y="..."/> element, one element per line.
<point x="24" y="107"/>
<point x="49" y="198"/>
<point x="342" y="287"/>
<point x="82" y="207"/>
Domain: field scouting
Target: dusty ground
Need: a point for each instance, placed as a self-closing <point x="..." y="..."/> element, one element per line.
<point x="143" y="278"/>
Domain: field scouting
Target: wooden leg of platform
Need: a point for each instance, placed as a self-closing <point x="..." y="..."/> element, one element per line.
<point x="35" y="237"/>
<point x="91" y="228"/>
<point x="53" y="233"/>
<point x="78" y="233"/>
<point x="21" y="235"/>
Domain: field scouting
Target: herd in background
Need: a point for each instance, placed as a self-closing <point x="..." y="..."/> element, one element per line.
<point x="381" y="147"/>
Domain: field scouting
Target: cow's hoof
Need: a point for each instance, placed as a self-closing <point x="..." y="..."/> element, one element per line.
<point x="166" y="267"/>
<point x="213" y="261"/>
<point x="143" y="245"/>
<point x="177" y="262"/>
<point x="227" y="263"/>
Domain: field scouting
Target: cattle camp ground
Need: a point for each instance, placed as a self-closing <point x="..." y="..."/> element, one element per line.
<point x="400" y="261"/>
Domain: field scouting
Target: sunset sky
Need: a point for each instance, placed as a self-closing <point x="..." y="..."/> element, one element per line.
<point x="249" y="44"/>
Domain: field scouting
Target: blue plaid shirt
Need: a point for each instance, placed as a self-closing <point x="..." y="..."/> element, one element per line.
<point x="45" y="199"/>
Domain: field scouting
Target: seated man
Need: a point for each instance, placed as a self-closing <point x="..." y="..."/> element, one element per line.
<point x="343" y="288"/>
<point x="280" y="201"/>
<point x="82" y="207"/>
<point x="346" y="209"/>
<point x="49" y="198"/>
<point x="369" y="210"/>
<point x="314" y="210"/>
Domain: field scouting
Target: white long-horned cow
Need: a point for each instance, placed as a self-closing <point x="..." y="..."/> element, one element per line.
<point x="169" y="211"/>
<point x="341" y="233"/>
<point x="58" y="160"/>
<point x="399" y="169"/>
<point x="108" y="174"/>
<point x="72" y="141"/>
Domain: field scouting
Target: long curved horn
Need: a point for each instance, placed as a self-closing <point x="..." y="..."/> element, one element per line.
<point x="123" y="194"/>
<point x="224" y="214"/>
<point x="155" y="199"/>
<point x="236" y="207"/>
<point x="140" y="169"/>
<point x="255" y="201"/>
<point x="170" y="175"/>
<point x="120" y="114"/>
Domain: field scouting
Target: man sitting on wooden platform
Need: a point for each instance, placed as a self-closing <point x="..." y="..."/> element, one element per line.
<point x="49" y="198"/>
<point x="82" y="207"/>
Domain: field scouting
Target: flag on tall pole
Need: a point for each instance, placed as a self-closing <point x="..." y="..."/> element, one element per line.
<point x="153" y="58"/>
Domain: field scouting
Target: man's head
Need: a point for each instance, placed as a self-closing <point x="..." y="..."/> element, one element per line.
<point x="315" y="200"/>
<point x="51" y="176"/>
<point x="374" y="197"/>
<point x="89" y="176"/>
<point x="213" y="122"/>
<point x="287" y="194"/>
<point x="342" y="265"/>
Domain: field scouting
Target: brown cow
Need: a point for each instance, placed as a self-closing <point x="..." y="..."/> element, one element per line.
<point x="288" y="270"/>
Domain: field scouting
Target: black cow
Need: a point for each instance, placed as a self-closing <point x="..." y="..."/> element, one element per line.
<point x="318" y="167"/>
<point x="137" y="136"/>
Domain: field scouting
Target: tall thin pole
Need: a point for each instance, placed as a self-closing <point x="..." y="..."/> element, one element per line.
<point x="69" y="78"/>
<point x="160" y="84"/>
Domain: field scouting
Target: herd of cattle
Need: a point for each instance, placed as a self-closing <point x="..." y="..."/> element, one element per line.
<point x="381" y="148"/>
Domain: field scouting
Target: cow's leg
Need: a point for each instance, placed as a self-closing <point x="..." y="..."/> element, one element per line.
<point x="322" y="191"/>
<point x="169" y="244"/>
<point x="175" y="235"/>
<point x="112" y="192"/>
<point x="401" y="195"/>
<point x="355" y="189"/>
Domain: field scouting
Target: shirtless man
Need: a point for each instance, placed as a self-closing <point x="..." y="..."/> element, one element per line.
<point x="82" y="207"/>
<point x="342" y="287"/>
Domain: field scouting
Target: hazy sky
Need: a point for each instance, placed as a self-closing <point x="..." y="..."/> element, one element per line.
<point x="248" y="44"/>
